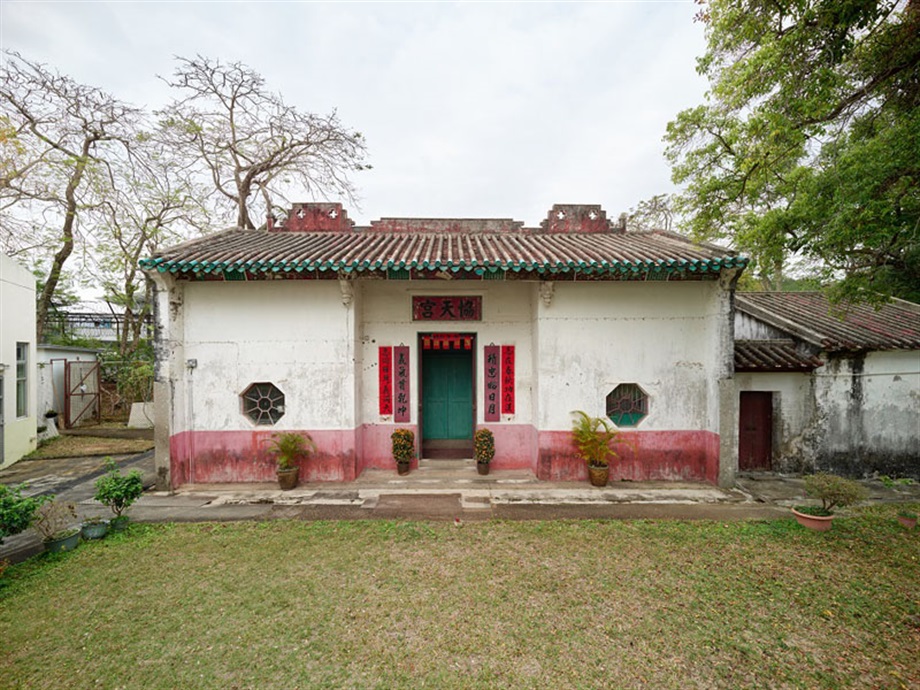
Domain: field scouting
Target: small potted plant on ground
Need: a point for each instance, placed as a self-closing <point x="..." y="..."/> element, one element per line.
<point x="118" y="491"/>
<point x="833" y="492"/>
<point x="289" y="449"/>
<point x="483" y="449"/>
<point x="403" y="449"/>
<point x="592" y="437"/>
<point x="54" y="521"/>
<point x="908" y="518"/>
<point x="16" y="510"/>
<point x="94" y="528"/>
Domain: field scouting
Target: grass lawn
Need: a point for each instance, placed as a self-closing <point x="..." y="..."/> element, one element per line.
<point x="495" y="604"/>
<point x="80" y="446"/>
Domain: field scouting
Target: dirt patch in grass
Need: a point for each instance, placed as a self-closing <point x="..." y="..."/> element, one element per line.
<point x="493" y="605"/>
<point x="81" y="446"/>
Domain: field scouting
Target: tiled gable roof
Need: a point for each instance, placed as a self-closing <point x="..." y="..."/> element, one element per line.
<point x="363" y="250"/>
<point x="772" y="355"/>
<point x="810" y="317"/>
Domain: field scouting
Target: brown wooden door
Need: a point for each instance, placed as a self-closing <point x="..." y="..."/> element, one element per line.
<point x="755" y="438"/>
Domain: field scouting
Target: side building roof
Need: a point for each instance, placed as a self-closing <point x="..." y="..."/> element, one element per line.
<point x="853" y="327"/>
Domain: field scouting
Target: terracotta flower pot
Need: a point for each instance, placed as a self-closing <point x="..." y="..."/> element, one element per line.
<point x="402" y="467"/>
<point x="482" y="467"/>
<point x="287" y="479"/>
<point x="908" y="522"/>
<point x="819" y="523"/>
<point x="598" y="475"/>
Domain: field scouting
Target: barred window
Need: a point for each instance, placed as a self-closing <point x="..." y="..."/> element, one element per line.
<point x="627" y="404"/>
<point x="263" y="403"/>
<point x="22" y="379"/>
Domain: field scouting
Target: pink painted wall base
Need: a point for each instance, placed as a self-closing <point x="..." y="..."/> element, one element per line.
<point x="212" y="457"/>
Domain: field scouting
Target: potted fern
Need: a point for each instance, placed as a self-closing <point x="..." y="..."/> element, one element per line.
<point x="403" y="449"/>
<point x="483" y="449"/>
<point x="592" y="437"/>
<point x="289" y="449"/>
<point x="833" y="492"/>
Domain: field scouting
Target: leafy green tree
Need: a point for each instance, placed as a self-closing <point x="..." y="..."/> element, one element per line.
<point x="807" y="143"/>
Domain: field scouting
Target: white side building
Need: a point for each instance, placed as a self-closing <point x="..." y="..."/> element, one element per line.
<point x="824" y="388"/>
<point x="18" y="403"/>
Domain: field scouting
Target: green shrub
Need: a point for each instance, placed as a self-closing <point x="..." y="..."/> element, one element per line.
<point x="483" y="446"/>
<point x="118" y="491"/>
<point x="403" y="445"/>
<point x="834" y="491"/>
<point x="16" y="510"/>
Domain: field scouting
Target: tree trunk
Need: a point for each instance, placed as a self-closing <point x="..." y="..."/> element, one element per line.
<point x="70" y="216"/>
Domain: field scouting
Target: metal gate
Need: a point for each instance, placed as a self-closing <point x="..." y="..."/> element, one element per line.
<point x="82" y="393"/>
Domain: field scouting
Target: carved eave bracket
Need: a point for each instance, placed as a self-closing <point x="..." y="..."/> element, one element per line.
<point x="547" y="290"/>
<point x="347" y="286"/>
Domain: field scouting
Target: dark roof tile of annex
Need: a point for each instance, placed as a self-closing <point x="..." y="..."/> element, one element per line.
<point x="364" y="249"/>
<point x="772" y="355"/>
<point x="810" y="317"/>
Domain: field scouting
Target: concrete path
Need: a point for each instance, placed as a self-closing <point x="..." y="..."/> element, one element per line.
<point x="428" y="493"/>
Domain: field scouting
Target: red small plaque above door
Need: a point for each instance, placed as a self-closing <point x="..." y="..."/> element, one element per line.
<point x="459" y="308"/>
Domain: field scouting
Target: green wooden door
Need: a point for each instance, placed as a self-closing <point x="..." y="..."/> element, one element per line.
<point x="447" y="396"/>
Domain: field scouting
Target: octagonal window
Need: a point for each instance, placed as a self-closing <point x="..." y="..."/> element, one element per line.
<point x="627" y="404"/>
<point x="263" y="403"/>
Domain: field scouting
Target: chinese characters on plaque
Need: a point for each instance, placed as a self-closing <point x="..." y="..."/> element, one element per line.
<point x="386" y="380"/>
<point x="460" y="308"/>
<point x="507" y="379"/>
<point x="499" y="381"/>
<point x="492" y="392"/>
<point x="401" y="355"/>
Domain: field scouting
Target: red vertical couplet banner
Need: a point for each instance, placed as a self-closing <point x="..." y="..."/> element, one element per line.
<point x="401" y="355"/>
<point x="386" y="380"/>
<point x="507" y="379"/>
<point x="492" y="383"/>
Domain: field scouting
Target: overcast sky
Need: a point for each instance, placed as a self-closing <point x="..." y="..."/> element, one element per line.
<point x="469" y="109"/>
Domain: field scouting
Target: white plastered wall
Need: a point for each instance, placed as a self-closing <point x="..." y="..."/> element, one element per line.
<point x="665" y="337"/>
<point x="386" y="315"/>
<point x="870" y="407"/>
<point x="297" y="335"/>
<point x="17" y="325"/>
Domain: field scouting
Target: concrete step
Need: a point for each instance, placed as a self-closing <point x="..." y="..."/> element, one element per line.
<point x="426" y="464"/>
<point x="439" y="477"/>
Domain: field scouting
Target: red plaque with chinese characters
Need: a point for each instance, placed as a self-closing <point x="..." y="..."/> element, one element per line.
<point x="386" y="380"/>
<point x="492" y="390"/>
<point x="458" y="308"/>
<point x="401" y="410"/>
<point x="507" y="379"/>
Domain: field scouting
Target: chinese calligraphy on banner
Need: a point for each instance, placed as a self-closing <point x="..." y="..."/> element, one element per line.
<point x="492" y="368"/>
<point x="507" y="379"/>
<point x="401" y="355"/>
<point x="386" y="380"/>
<point x="460" y="308"/>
